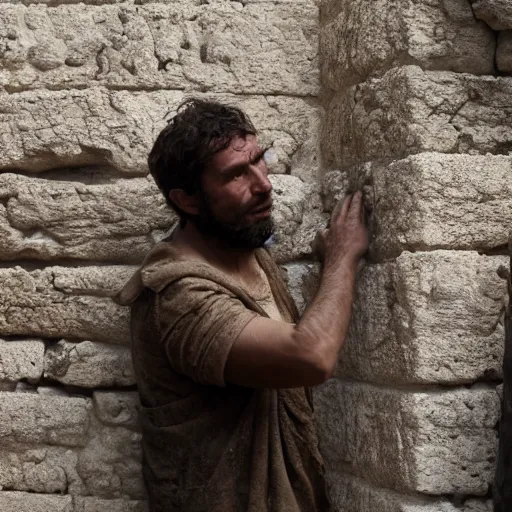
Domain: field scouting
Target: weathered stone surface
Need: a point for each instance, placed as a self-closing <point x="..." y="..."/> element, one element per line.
<point x="431" y="317"/>
<point x="73" y="303"/>
<point x="32" y="418"/>
<point x="21" y="359"/>
<point x="409" y="111"/>
<point x="89" y="364"/>
<point x="116" y="220"/>
<point x="41" y="130"/>
<point x="117" y="408"/>
<point x="436" y="201"/>
<point x="298" y="215"/>
<point x="263" y="48"/>
<point x="359" y="39"/>
<point x="110" y="464"/>
<point x="504" y="51"/>
<point x="439" y="442"/>
<point x="302" y="280"/>
<point x="349" y="493"/>
<point x="29" y="502"/>
<point x="48" y="470"/>
<point x="97" y="505"/>
<point x="496" y="13"/>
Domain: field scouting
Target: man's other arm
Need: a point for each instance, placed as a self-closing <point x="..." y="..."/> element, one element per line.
<point x="273" y="354"/>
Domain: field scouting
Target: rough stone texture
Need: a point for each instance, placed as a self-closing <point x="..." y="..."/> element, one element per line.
<point x="20" y="359"/>
<point x="42" y="130"/>
<point x="427" y="318"/>
<point x="298" y="215"/>
<point x="302" y="280"/>
<point x="110" y="220"/>
<point x="436" y="442"/>
<point x="504" y="52"/>
<point x="89" y="365"/>
<point x="265" y="48"/>
<point x="73" y="303"/>
<point x="28" y="502"/>
<point x="29" y="418"/>
<point x="114" y="408"/>
<point x="436" y="201"/>
<point x="360" y="38"/>
<point x="349" y="493"/>
<point x="496" y="13"/>
<point x="71" y="445"/>
<point x="409" y="111"/>
<point x="98" y="505"/>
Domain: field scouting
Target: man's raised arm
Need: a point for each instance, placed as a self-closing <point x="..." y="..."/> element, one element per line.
<point x="273" y="354"/>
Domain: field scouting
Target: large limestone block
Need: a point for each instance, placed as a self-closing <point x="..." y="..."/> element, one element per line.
<point x="42" y="469"/>
<point x="504" y="51"/>
<point x="41" y="130"/>
<point x="113" y="220"/>
<point x="438" y="442"/>
<point x="436" y="201"/>
<point x="431" y="317"/>
<point x="360" y="38"/>
<point x="349" y="493"/>
<point x="409" y="111"/>
<point x="264" y="48"/>
<point x="29" y="502"/>
<point x="117" y="408"/>
<point x="32" y="418"/>
<point x="496" y="13"/>
<point x="20" y="359"/>
<point x="298" y="215"/>
<point x="302" y="280"/>
<point x="60" y="302"/>
<point x="89" y="365"/>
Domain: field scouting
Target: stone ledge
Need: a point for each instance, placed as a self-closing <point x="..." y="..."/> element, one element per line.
<point x="42" y="130"/>
<point x="359" y="39"/>
<point x="263" y="48"/>
<point x="436" y="442"/>
<point x="435" y="201"/>
<point x="427" y="318"/>
<point x="410" y="111"/>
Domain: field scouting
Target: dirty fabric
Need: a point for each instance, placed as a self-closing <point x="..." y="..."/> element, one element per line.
<point x="210" y="446"/>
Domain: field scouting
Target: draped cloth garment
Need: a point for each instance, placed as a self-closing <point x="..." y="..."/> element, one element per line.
<point x="208" y="445"/>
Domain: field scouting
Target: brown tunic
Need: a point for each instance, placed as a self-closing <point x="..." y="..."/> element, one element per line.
<point x="210" y="446"/>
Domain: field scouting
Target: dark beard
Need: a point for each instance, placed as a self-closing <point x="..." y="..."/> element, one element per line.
<point x="245" y="237"/>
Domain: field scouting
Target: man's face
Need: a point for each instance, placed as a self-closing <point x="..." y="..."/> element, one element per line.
<point x="236" y="201"/>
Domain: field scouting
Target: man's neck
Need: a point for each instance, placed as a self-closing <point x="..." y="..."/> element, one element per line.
<point x="239" y="263"/>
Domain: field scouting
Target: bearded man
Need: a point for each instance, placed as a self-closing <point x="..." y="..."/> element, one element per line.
<point x="223" y="362"/>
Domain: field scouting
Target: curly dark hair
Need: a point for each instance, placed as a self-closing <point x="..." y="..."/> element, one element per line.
<point x="191" y="138"/>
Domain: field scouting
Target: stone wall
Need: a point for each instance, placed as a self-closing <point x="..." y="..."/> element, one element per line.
<point x="85" y="87"/>
<point x="418" y="113"/>
<point x="414" y="112"/>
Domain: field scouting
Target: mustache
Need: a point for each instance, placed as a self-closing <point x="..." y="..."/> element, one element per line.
<point x="262" y="204"/>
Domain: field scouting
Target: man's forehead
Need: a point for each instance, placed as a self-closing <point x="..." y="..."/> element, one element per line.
<point x="240" y="149"/>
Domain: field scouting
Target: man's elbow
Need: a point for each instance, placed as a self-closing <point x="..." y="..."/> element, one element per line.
<point x="319" y="361"/>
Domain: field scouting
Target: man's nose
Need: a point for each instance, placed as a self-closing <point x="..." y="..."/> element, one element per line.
<point x="260" y="182"/>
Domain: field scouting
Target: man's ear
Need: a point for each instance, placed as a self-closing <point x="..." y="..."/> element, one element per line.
<point x="185" y="202"/>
